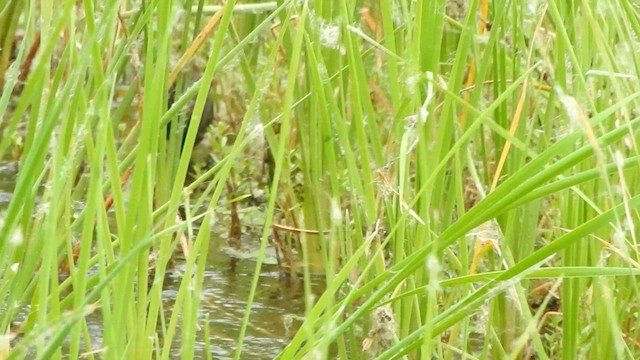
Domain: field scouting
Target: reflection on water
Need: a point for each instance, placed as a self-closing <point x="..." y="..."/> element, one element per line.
<point x="276" y="312"/>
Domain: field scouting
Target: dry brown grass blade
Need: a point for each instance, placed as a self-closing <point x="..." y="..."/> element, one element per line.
<point x="109" y="200"/>
<point x="297" y="230"/>
<point x="516" y="116"/>
<point x="195" y="46"/>
<point x="471" y="73"/>
<point x="512" y="130"/>
<point x="26" y="65"/>
<point x="373" y="23"/>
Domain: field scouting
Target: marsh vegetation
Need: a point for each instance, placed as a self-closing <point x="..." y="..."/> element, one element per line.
<point x="380" y="179"/>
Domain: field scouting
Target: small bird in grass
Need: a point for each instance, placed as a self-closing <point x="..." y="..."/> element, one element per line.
<point x="206" y="120"/>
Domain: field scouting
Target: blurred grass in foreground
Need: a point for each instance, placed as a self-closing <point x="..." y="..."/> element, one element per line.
<point x="465" y="174"/>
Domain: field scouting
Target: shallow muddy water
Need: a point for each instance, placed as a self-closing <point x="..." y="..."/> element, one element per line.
<point x="276" y="312"/>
